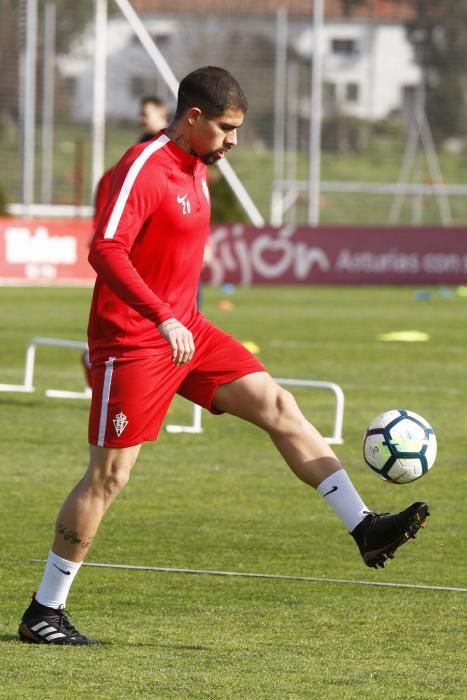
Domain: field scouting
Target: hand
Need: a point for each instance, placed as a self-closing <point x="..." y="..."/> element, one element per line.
<point x="180" y="340"/>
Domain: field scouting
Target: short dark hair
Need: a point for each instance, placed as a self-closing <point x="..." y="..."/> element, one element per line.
<point x="214" y="90"/>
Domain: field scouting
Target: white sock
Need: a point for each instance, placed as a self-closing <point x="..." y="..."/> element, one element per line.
<point x="56" y="582"/>
<point x="341" y="495"/>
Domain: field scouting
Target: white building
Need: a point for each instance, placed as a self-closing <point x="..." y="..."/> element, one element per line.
<point x="368" y="68"/>
<point x="368" y="65"/>
<point x="130" y="73"/>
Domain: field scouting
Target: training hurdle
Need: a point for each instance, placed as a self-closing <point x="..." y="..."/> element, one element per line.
<point x="334" y="439"/>
<point x="29" y="367"/>
<point x="196" y="425"/>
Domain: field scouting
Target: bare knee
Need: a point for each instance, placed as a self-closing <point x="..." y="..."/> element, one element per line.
<point x="114" y="480"/>
<point x="261" y="400"/>
<point x="283" y="414"/>
<point x="109" y="472"/>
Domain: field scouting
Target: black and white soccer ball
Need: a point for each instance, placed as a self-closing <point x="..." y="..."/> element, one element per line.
<point x="399" y="446"/>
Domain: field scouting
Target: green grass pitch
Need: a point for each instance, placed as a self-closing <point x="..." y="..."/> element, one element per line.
<point x="224" y="500"/>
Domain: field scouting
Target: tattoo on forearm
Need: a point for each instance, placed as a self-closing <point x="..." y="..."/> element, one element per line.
<point x="73" y="537"/>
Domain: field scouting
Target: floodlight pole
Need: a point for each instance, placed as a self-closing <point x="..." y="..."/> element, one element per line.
<point x="171" y="81"/>
<point x="316" y="114"/>
<point x="98" y="112"/>
<point x="292" y="131"/>
<point x="279" y="114"/>
<point x="29" y="106"/>
<point x="48" y="95"/>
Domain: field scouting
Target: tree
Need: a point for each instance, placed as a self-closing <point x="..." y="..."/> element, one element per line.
<point x="225" y="206"/>
<point x="71" y="18"/>
<point x="439" y="35"/>
<point x="9" y="59"/>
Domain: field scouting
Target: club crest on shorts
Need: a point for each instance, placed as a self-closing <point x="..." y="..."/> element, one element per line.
<point x="120" y="423"/>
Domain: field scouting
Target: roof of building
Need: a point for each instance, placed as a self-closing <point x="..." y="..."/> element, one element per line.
<point x="365" y="9"/>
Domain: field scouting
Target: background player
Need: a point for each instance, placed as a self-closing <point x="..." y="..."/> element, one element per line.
<point x="152" y="117"/>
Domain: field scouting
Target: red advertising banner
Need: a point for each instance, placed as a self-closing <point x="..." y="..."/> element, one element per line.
<point x="45" y="251"/>
<point x="55" y="252"/>
<point x="338" y="255"/>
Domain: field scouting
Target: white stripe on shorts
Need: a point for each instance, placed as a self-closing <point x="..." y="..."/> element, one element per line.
<point x="109" y="368"/>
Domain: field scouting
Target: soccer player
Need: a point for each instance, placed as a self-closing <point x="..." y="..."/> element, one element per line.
<point x="152" y="117"/>
<point x="148" y="342"/>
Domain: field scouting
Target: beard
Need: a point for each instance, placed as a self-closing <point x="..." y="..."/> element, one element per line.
<point x="211" y="157"/>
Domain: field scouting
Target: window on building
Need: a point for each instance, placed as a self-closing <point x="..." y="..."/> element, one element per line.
<point x="344" y="47"/>
<point x="329" y="94"/>
<point x="161" y="40"/>
<point x="352" y="91"/>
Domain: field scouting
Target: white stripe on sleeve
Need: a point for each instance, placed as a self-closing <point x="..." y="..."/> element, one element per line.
<point x="128" y="183"/>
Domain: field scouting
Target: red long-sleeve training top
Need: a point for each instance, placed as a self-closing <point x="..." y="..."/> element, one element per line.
<point x="148" y="249"/>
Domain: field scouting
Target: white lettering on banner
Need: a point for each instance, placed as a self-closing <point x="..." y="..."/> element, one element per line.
<point x="229" y="256"/>
<point x="243" y="254"/>
<point x="366" y="261"/>
<point x="280" y="245"/>
<point x="273" y="254"/>
<point x="270" y="256"/>
<point x="440" y="263"/>
<point x="40" y="272"/>
<point x="307" y="257"/>
<point x="24" y="246"/>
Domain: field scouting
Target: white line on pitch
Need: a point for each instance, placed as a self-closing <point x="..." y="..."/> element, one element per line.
<point x="282" y="577"/>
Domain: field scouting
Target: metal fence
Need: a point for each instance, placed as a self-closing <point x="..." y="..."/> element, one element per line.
<point x="357" y="107"/>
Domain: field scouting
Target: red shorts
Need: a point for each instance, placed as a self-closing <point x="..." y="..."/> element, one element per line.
<point x="131" y="395"/>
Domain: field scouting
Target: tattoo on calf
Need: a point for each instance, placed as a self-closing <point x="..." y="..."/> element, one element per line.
<point x="73" y="537"/>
